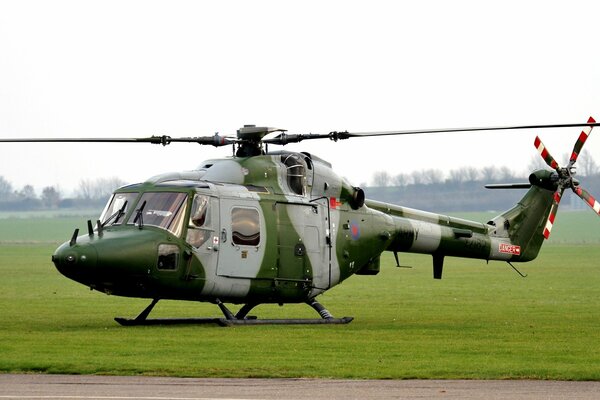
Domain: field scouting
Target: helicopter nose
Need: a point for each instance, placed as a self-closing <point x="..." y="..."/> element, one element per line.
<point x="76" y="261"/>
<point x="118" y="262"/>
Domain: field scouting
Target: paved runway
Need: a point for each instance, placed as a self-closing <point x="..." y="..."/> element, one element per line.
<point x="150" y="388"/>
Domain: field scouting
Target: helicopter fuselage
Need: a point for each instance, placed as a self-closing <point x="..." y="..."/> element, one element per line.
<point x="275" y="228"/>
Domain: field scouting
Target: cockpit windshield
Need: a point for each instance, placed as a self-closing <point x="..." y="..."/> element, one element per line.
<point x="161" y="209"/>
<point x="117" y="207"/>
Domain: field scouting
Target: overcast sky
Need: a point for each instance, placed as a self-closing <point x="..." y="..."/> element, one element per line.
<point x="192" y="68"/>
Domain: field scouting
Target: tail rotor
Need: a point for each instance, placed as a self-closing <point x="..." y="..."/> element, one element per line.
<point x="565" y="176"/>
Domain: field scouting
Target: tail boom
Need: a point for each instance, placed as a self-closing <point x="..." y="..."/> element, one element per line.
<point x="516" y="235"/>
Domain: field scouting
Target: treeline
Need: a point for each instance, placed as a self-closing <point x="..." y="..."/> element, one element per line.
<point x="89" y="194"/>
<point x="463" y="189"/>
<point x="586" y="166"/>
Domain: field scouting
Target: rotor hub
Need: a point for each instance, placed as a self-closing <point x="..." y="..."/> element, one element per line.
<point x="250" y="139"/>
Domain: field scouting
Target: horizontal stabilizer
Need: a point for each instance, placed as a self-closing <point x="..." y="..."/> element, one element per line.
<point x="508" y="186"/>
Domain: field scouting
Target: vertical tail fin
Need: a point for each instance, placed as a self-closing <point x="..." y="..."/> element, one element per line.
<point x="525" y="223"/>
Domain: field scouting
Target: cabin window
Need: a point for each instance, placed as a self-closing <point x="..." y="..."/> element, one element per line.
<point x="199" y="224"/>
<point x="168" y="257"/>
<point x="245" y="226"/>
<point x="295" y="172"/>
<point x="161" y="209"/>
<point x="117" y="207"/>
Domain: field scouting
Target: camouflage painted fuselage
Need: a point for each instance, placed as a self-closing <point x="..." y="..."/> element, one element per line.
<point x="275" y="228"/>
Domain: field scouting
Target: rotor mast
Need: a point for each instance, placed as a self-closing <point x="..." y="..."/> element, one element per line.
<point x="250" y="140"/>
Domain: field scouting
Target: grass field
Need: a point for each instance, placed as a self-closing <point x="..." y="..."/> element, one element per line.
<point x="480" y="321"/>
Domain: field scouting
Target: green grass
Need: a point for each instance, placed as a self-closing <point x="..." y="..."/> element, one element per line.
<point x="480" y="321"/>
<point x="43" y="226"/>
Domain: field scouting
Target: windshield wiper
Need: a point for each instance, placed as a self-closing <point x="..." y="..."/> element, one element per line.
<point x="116" y="216"/>
<point x="139" y="216"/>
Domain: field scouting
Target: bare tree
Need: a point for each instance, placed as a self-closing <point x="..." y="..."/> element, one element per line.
<point x="464" y="174"/>
<point x="419" y="177"/>
<point x="536" y="163"/>
<point x="435" y="175"/>
<point x="6" y="190"/>
<point x="381" y="178"/>
<point x="85" y="190"/>
<point x="505" y="174"/>
<point x="490" y="173"/>
<point x="401" y="179"/>
<point x="51" y="196"/>
<point x="98" y="189"/>
<point x="587" y="165"/>
<point x="455" y="176"/>
<point x="27" y="192"/>
<point x="472" y="174"/>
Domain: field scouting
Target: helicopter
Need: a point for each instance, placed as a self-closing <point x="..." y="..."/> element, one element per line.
<point x="278" y="227"/>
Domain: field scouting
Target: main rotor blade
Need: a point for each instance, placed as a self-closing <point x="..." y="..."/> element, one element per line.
<point x="286" y="138"/>
<point x="585" y="132"/>
<point x="215" y="140"/>
<point x="452" y="130"/>
<point x="588" y="198"/>
<point x="545" y="153"/>
<point x="83" y="140"/>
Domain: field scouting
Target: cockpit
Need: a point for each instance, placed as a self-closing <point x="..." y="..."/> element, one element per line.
<point x="164" y="210"/>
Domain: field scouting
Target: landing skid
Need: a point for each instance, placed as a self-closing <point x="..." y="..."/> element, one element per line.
<point x="232" y="322"/>
<point x="230" y="319"/>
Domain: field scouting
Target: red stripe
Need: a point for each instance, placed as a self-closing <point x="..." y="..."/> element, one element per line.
<point x="583" y="137"/>
<point x="588" y="198"/>
<point x="591" y="120"/>
<point x="556" y="197"/>
<point x="551" y="218"/>
<point x="537" y="142"/>
<point x="546" y="233"/>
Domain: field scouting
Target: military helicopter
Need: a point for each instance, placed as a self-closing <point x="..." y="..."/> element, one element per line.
<point x="282" y="227"/>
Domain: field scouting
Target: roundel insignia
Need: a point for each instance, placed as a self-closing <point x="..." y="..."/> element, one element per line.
<point x="354" y="230"/>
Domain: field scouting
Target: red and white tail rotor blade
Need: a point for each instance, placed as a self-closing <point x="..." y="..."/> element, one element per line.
<point x="588" y="198"/>
<point x="545" y="153"/>
<point x="550" y="221"/>
<point x="585" y="133"/>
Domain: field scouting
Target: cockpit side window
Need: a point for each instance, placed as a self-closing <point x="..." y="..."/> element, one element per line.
<point x="200" y="224"/>
<point x="296" y="173"/>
